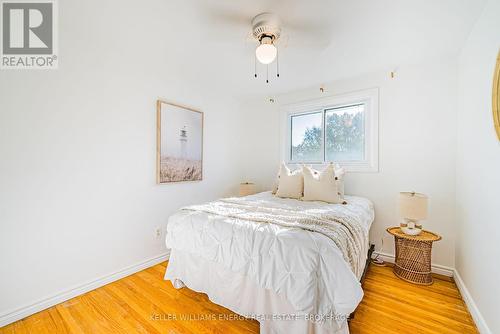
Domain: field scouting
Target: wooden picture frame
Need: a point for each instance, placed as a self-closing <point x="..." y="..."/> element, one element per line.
<point x="179" y="143"/>
<point x="496" y="97"/>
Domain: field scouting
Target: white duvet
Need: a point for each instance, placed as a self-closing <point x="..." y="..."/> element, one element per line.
<point x="305" y="267"/>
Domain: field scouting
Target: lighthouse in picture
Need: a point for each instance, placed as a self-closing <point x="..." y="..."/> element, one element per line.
<point x="183" y="139"/>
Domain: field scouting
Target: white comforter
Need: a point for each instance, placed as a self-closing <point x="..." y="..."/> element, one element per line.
<point x="306" y="267"/>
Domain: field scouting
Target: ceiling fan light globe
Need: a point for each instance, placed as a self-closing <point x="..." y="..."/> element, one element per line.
<point x="266" y="53"/>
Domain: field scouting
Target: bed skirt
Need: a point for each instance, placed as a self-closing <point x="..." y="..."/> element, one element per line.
<point x="241" y="295"/>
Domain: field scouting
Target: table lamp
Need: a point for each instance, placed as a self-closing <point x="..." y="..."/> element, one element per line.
<point x="412" y="208"/>
<point x="247" y="188"/>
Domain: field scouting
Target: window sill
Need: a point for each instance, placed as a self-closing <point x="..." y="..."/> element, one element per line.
<point x="351" y="167"/>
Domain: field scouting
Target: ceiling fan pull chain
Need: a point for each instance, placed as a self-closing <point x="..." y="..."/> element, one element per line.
<point x="277" y="63"/>
<point x="255" y="69"/>
<point x="267" y="73"/>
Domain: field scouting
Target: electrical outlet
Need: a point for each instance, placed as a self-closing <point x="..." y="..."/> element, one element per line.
<point x="158" y="232"/>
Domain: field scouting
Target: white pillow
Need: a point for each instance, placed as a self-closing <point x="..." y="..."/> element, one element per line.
<point x="339" y="176"/>
<point x="276" y="183"/>
<point x="321" y="186"/>
<point x="290" y="185"/>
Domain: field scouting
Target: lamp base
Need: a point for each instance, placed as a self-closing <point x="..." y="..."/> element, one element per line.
<point x="410" y="227"/>
<point x="378" y="262"/>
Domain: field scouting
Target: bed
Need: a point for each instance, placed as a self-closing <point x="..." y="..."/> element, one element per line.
<point x="294" y="266"/>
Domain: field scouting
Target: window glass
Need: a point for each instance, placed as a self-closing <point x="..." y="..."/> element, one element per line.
<point x="307" y="137"/>
<point x="345" y="133"/>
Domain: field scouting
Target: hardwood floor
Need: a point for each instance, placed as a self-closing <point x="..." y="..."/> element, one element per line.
<point x="142" y="303"/>
<point x="391" y="305"/>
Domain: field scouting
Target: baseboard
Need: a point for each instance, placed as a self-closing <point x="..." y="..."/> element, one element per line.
<point x="43" y="304"/>
<point x="471" y="305"/>
<point x="436" y="268"/>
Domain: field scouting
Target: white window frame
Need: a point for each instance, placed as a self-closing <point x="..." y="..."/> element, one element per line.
<point x="368" y="97"/>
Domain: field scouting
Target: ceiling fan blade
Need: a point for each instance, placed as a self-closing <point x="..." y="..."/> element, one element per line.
<point x="308" y="35"/>
<point x="226" y="25"/>
<point x="223" y="16"/>
<point x="307" y="27"/>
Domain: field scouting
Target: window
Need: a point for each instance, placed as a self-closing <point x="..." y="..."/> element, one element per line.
<point x="341" y="129"/>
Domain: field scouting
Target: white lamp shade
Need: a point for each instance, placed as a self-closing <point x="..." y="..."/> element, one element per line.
<point x="247" y="189"/>
<point x="266" y="53"/>
<point x="413" y="205"/>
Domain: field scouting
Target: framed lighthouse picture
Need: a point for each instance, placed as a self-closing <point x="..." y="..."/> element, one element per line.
<point x="179" y="141"/>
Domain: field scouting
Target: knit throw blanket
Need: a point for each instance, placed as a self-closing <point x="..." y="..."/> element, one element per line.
<point x="343" y="230"/>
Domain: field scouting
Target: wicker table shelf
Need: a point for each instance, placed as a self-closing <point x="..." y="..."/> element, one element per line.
<point x="413" y="255"/>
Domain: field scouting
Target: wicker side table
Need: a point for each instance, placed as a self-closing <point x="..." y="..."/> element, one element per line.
<point x="413" y="255"/>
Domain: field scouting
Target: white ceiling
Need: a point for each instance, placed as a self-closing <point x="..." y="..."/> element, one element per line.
<point x="364" y="36"/>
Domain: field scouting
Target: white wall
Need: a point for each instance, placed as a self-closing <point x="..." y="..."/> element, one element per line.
<point x="417" y="121"/>
<point x="478" y="170"/>
<point x="261" y="152"/>
<point x="78" y="197"/>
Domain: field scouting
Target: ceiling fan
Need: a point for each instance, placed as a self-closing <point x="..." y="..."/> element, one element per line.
<point x="299" y="30"/>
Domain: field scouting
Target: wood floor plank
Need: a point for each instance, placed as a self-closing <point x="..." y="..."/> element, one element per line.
<point x="144" y="308"/>
<point x="87" y="318"/>
<point x="134" y="311"/>
<point x="142" y="303"/>
<point x="59" y="323"/>
<point x="170" y="308"/>
<point x="115" y="310"/>
<point x="71" y="323"/>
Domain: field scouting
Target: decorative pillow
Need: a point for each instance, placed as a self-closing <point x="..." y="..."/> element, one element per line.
<point x="275" y="183"/>
<point x="321" y="186"/>
<point x="290" y="185"/>
<point x="339" y="176"/>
